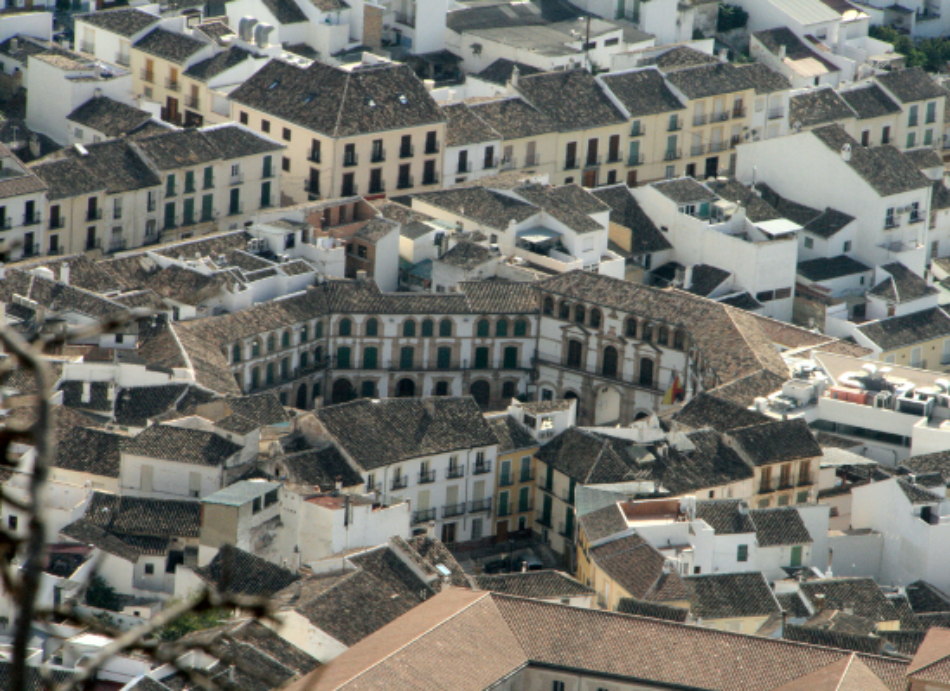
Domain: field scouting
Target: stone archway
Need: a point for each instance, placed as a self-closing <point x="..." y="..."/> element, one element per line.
<point x="343" y="391"/>
<point x="405" y="388"/>
<point x="302" y="397"/>
<point x="481" y="392"/>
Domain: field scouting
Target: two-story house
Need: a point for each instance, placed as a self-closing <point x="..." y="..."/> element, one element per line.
<point x="369" y="128"/>
<point x="436" y="453"/>
<point x="157" y="61"/>
<point x="23" y="197"/>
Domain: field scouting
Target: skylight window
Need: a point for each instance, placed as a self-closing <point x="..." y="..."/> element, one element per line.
<point x="309" y="97"/>
<point x="371" y="103"/>
<point x="274" y="84"/>
<point x="402" y="99"/>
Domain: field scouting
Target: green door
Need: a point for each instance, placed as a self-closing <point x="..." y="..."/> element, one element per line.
<point x="207" y="207"/>
<point x="188" y="211"/>
<point x="170" y="215"/>
<point x="265" y="193"/>
<point x="549" y="479"/>
<point x="481" y="358"/>
<point x="546" y="510"/>
<point x="235" y="207"/>
<point x="524" y="499"/>
<point x="797" y="555"/>
<point x="511" y="358"/>
<point x="503" y="504"/>
<point x="406" y="356"/>
<point x="633" y="157"/>
<point x="343" y="357"/>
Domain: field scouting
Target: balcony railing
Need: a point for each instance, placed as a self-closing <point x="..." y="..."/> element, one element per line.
<point x="31" y="250"/>
<point x="532" y="160"/>
<point x="526" y="476"/>
<point x="720" y="117"/>
<point x="638" y="131"/>
<point x="172" y="84"/>
<point x="117" y="245"/>
<point x="776" y="113"/>
<point x="674" y="125"/>
<point x="481" y="468"/>
<point x="480" y="505"/>
<point x="672" y="154"/>
<point x="92" y="245"/>
<point x="463" y="167"/>
<point x="430" y="179"/>
<point x="122" y="59"/>
<point x="503" y="510"/>
<point x="491" y="163"/>
<point x="31" y="219"/>
<point x="432" y="147"/>
<point x="193" y="102"/>
<point x="87" y="47"/>
<point x="400" y="482"/>
<point x="450" y="510"/>
<point x="313" y="156"/>
<point x="377" y="156"/>
<point x="423" y="515"/>
<point x="94" y="215"/>
<point x="455" y="472"/>
<point x="426" y="477"/>
<point x="506" y="480"/>
<point x="700" y="119"/>
<point x="235" y="209"/>
<point x="735" y="141"/>
<point x="311" y="189"/>
<point x="350" y="160"/>
<point x="570" y="164"/>
<point x="524" y="507"/>
<point x="613" y="157"/>
<point x="56" y="223"/>
<point x="509" y="163"/>
<point x="376" y="188"/>
<point x="237" y="179"/>
<point x="148" y="76"/>
<point x="404" y="183"/>
<point x="697" y="150"/>
<point x="738" y="112"/>
<point x="592" y="162"/>
<point x="716" y="147"/>
<point x="406" y="151"/>
<point x="635" y="160"/>
<point x="540" y="518"/>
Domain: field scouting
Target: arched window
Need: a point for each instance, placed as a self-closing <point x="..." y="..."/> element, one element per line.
<point x="346" y="327"/>
<point x="663" y="337"/>
<point x="595" y="318"/>
<point x="304" y="333"/>
<point x="270" y="373"/>
<point x="255" y="378"/>
<point x="575" y="353"/>
<point x="501" y="328"/>
<point x="285" y="340"/>
<point x="271" y="343"/>
<point x="368" y="389"/>
<point x="549" y="306"/>
<point x="631" y="329"/>
<point x="445" y="327"/>
<point x="285" y="368"/>
<point x="679" y="340"/>
<point x="318" y="330"/>
<point x="509" y="389"/>
<point x="428" y="328"/>
<point x="521" y="327"/>
<point x="304" y="360"/>
<point x="441" y="388"/>
<point x="317" y="389"/>
<point x="408" y="328"/>
<point x="646" y="372"/>
<point x="647" y="332"/>
<point x="580" y="314"/>
<point x="481" y="392"/>
<point x="256" y="349"/>
<point x="370" y="358"/>
<point x="483" y="328"/>
<point x="236" y="353"/>
<point x="609" y="366"/>
<point x="318" y="355"/>
<point x="372" y="326"/>
<point x="343" y="360"/>
<point x="564" y="311"/>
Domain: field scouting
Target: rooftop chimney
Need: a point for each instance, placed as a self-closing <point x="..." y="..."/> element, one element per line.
<point x="781" y="52"/>
<point x="515" y="73"/>
<point x="64" y="273"/>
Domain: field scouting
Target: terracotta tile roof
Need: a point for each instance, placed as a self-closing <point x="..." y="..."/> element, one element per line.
<point x="848" y="674"/>
<point x="637" y="567"/>
<point x="319" y="468"/>
<point x="642" y="92"/>
<point x="513" y="117"/>
<point x="114" y="166"/>
<point x="232" y="570"/>
<point x="818" y="107"/>
<point x="926" y="597"/>
<point x="144" y="517"/>
<point x="725" y="516"/>
<point x="779" y="441"/>
<point x="780" y="526"/>
<point x="499" y="72"/>
<point x="112" y="118"/>
<point x="870" y="102"/>
<point x="654" y="610"/>
<point x="730" y="596"/>
<point x="861" y="594"/>
<point x="602" y="523"/>
<point x="378" y="433"/>
<point x="912" y="84"/>
<point x="932" y="661"/>
<point x="902" y="285"/>
<point x="464" y="127"/>
<point x="909" y="329"/>
<point x="126" y="21"/>
<point x="86" y="450"/>
<point x="722" y="414"/>
<point x="541" y="585"/>
<point x="572" y="99"/>
<point x="169" y="45"/>
<point x="341" y="103"/>
<point x="182" y="445"/>
<point x="511" y="435"/>
<point x="645" y="237"/>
